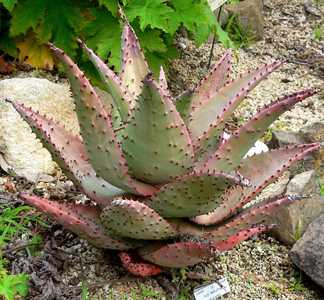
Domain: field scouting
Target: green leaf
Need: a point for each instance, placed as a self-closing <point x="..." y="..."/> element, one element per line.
<point x="26" y="15"/>
<point x="9" y="4"/>
<point x="196" y="16"/>
<point x="7" y="45"/>
<point x="224" y="38"/>
<point x="13" y="285"/>
<point x="50" y="20"/>
<point x="153" y="13"/>
<point x="59" y="23"/>
<point x="151" y="40"/>
<point x="111" y="5"/>
<point x="103" y="35"/>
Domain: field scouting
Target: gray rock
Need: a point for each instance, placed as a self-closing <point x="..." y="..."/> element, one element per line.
<point x="303" y="183"/>
<point x="250" y="15"/>
<point x="315" y="134"/>
<point x="20" y="152"/>
<point x="308" y="252"/>
<point x="292" y="220"/>
<point x="282" y="138"/>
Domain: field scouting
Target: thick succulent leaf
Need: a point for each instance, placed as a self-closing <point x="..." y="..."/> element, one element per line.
<point x="225" y="208"/>
<point x="212" y="82"/>
<point x="209" y="143"/>
<point x="182" y="103"/>
<point x="96" y="129"/>
<point x="81" y="219"/>
<point x="134" y="66"/>
<point x="255" y="215"/>
<point x="176" y="255"/>
<point x="162" y="80"/>
<point x="230" y="242"/>
<point x="220" y="105"/>
<point x="129" y="218"/>
<point x="138" y="268"/>
<point x="69" y="153"/>
<point x="230" y="153"/>
<point x="191" y="195"/>
<point x="111" y="109"/>
<point x="157" y="144"/>
<point x="122" y="98"/>
<point x="260" y="170"/>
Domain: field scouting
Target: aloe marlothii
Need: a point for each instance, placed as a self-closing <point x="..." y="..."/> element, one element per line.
<point x="157" y="168"/>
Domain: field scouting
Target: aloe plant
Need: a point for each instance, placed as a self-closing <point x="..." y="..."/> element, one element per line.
<point x="167" y="190"/>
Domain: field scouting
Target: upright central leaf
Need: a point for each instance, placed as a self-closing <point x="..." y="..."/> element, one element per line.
<point x="156" y="141"/>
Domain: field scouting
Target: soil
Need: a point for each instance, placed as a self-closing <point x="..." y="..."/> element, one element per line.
<point x="65" y="266"/>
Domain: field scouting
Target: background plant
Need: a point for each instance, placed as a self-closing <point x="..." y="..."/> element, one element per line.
<point x="26" y="25"/>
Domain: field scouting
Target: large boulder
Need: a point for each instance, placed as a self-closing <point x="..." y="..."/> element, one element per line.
<point x="20" y="152"/>
<point x="308" y="252"/>
<point x="292" y="220"/>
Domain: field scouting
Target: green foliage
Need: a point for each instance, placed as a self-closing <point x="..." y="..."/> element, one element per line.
<point x="98" y="23"/>
<point x="318" y="32"/>
<point x="13" y="285"/>
<point x="238" y="36"/>
<point x="15" y="221"/>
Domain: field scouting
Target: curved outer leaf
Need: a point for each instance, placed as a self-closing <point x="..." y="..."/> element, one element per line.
<point x="96" y="129"/>
<point x="136" y="268"/>
<point x="230" y="153"/>
<point x="176" y="255"/>
<point x="134" y="219"/>
<point x="191" y="195"/>
<point x="212" y="82"/>
<point x="123" y="100"/>
<point x="69" y="153"/>
<point x="81" y="219"/>
<point x="219" y="106"/>
<point x="261" y="170"/>
<point x="255" y="215"/>
<point x="134" y="66"/>
<point x="232" y="241"/>
<point x="156" y="142"/>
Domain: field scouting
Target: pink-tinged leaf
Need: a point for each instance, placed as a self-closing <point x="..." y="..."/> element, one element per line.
<point x="138" y="268"/>
<point x="156" y="141"/>
<point x="230" y="153"/>
<point x="260" y="170"/>
<point x="176" y="255"/>
<point x="134" y="66"/>
<point x="69" y="153"/>
<point x="225" y="209"/>
<point x="230" y="242"/>
<point x="134" y="219"/>
<point x="123" y="100"/>
<point x="97" y="131"/>
<point x="212" y="82"/>
<point x="220" y="105"/>
<point x="255" y="215"/>
<point x="81" y="219"/>
<point x="162" y="80"/>
<point x="191" y="195"/>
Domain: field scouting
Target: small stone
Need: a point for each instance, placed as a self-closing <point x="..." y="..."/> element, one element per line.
<point x="307" y="253"/>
